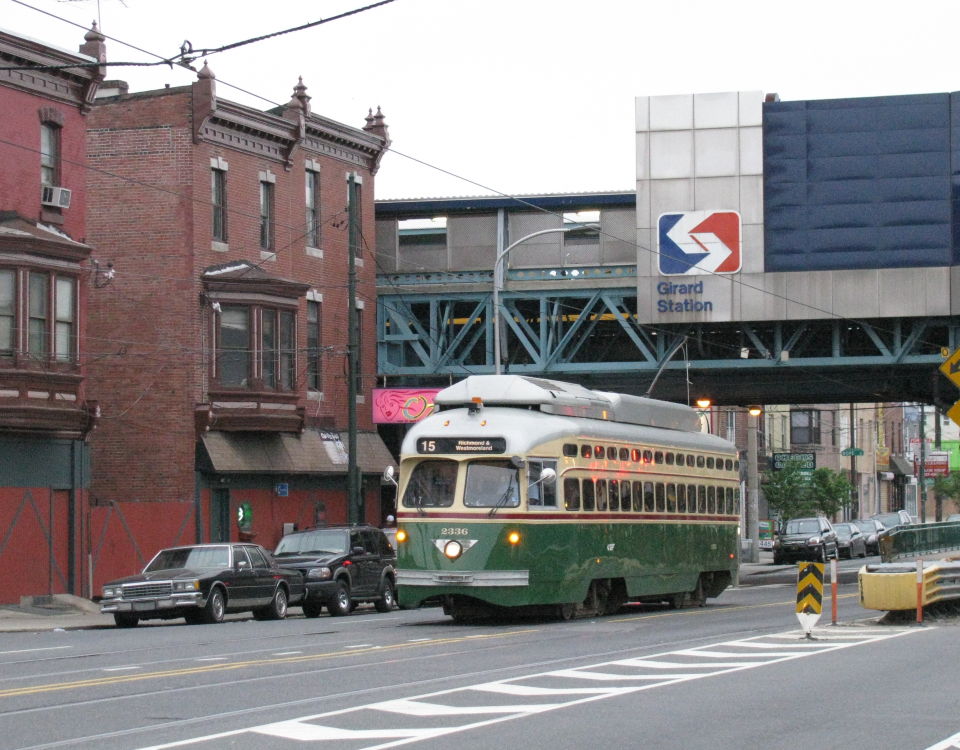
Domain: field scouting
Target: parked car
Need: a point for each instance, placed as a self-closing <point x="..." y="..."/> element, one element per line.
<point x="893" y="519"/>
<point x="805" y="539"/>
<point x="342" y="566"/>
<point x="850" y="540"/>
<point x="391" y="534"/>
<point x="201" y="583"/>
<point x="871" y="529"/>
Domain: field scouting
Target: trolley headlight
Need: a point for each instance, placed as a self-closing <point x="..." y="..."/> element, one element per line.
<point x="514" y="537"/>
<point x="401" y="535"/>
<point x="453" y="549"/>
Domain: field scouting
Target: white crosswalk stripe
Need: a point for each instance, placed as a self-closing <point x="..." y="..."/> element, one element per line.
<point x="514" y="698"/>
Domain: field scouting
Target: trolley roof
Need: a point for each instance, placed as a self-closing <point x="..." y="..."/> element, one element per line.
<point x="568" y="399"/>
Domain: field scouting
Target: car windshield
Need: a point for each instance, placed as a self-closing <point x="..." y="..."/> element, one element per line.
<point x="803" y="526"/>
<point x="191" y="558"/>
<point x="844" y="530"/>
<point x="431" y="485"/>
<point x="867" y="527"/>
<point x="889" y="520"/>
<point x="492" y="484"/>
<point x="332" y="541"/>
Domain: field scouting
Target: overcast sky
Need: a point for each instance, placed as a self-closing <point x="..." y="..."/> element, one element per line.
<point x="516" y="96"/>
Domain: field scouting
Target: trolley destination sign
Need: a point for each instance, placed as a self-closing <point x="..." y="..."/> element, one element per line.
<point x="461" y="445"/>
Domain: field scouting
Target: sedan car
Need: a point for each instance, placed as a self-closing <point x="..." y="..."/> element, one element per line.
<point x="871" y="529"/>
<point x="850" y="540"/>
<point x="201" y="583"/>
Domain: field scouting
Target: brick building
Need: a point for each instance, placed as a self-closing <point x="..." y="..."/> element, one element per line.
<point x="45" y="273"/>
<point x="220" y="346"/>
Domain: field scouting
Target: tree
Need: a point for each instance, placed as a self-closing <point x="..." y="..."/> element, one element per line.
<point x="792" y="492"/>
<point x="944" y="487"/>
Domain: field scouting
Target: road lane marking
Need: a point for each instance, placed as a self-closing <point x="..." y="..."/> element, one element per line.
<point x="239" y="665"/>
<point x="951" y="743"/>
<point x="377" y="725"/>
<point x="34" y="650"/>
<point x="121" y="669"/>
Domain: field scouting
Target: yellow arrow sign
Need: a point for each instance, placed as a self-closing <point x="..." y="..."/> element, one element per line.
<point x="954" y="413"/>
<point x="951" y="368"/>
<point x="810" y="588"/>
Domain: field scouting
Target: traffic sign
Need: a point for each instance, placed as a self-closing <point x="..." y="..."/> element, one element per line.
<point x="809" y="594"/>
<point x="852" y="452"/>
<point x="951" y="368"/>
<point x="954" y="413"/>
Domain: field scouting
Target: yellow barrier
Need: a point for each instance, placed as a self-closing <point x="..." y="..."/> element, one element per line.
<point x="893" y="586"/>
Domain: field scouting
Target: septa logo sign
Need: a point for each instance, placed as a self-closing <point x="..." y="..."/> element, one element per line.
<point x="699" y="242"/>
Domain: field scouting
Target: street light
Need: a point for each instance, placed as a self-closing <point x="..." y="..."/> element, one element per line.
<point x="498" y="282"/>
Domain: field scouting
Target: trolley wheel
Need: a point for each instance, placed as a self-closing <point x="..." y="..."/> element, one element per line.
<point x="566" y="611"/>
<point x="675" y="601"/>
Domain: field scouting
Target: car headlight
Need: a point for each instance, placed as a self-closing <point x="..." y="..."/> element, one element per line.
<point x="320" y="574"/>
<point x="179" y="586"/>
<point x="111" y="592"/>
<point x="813" y="540"/>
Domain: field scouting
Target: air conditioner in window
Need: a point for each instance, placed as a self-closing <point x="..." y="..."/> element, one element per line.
<point x="55" y="196"/>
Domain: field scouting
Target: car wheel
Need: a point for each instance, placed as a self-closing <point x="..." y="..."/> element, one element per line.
<point x="824" y="555"/>
<point x="216" y="607"/>
<point x="277" y="609"/>
<point x="339" y="605"/>
<point x="194" y="618"/>
<point x="387" y="599"/>
<point x="124" y="620"/>
<point x="311" y="609"/>
<point x="777" y="559"/>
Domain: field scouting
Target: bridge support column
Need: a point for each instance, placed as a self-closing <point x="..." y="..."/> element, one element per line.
<point x="753" y="490"/>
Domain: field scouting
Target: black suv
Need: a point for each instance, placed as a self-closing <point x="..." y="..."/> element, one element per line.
<point x="341" y="566"/>
<point x="806" y="539"/>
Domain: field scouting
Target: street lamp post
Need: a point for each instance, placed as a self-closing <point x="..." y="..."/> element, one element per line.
<point x="498" y="282"/>
<point x="753" y="486"/>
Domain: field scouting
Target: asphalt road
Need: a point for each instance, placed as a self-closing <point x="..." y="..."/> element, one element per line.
<point x="736" y="673"/>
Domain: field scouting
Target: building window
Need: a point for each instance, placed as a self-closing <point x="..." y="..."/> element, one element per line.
<point x="51" y="316"/>
<point x="277" y="349"/>
<point x="218" y="198"/>
<point x="49" y="154"/>
<point x="266" y="215"/>
<point x="804" y="427"/>
<point x="233" y="357"/>
<point x="312" y="194"/>
<point x="8" y="311"/>
<point x="272" y="350"/>
<point x="314" y="345"/>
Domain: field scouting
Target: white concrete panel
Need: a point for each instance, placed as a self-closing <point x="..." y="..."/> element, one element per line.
<point x="914" y="291"/>
<point x="643" y="204"/>
<point x="641" y="106"/>
<point x="760" y="296"/>
<point x="716" y="152"/>
<point x="716" y="194"/>
<point x="751" y="199"/>
<point x="751" y="151"/>
<point x="751" y="108"/>
<point x="682" y="299"/>
<point x="716" y="110"/>
<point x="667" y="196"/>
<point x="751" y="248"/>
<point x="618" y="240"/>
<point x="855" y="293"/>
<point x="647" y="253"/>
<point x="809" y="295"/>
<point x="955" y="290"/>
<point x="671" y="154"/>
<point x="643" y="156"/>
<point x="671" y="112"/>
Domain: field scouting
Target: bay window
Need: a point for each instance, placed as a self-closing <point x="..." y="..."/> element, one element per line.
<point x="256" y="348"/>
<point x="48" y="328"/>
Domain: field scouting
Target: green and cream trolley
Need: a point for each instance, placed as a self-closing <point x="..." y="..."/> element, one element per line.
<point x="525" y="494"/>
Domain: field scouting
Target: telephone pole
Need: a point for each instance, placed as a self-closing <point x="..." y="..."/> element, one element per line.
<point x="355" y="510"/>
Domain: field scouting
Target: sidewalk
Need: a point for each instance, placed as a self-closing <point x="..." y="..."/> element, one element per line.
<point x="57" y="612"/>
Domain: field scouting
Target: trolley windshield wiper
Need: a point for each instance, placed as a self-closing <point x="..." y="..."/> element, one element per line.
<point x="503" y="498"/>
<point x="418" y="502"/>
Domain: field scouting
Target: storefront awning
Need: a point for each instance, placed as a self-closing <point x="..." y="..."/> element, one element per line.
<point x="902" y="466"/>
<point x="310" y="452"/>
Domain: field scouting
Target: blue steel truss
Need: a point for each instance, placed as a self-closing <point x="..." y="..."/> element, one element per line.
<point x="593" y="334"/>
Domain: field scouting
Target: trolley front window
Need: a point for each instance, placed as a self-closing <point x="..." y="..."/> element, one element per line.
<point x="492" y="484"/>
<point x="431" y="485"/>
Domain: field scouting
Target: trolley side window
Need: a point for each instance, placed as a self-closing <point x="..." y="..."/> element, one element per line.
<point x="736" y="500"/>
<point x="492" y="484"/>
<point x="571" y="493"/>
<point x="601" y="494"/>
<point x="692" y="498"/>
<point x="570" y="450"/>
<point x="681" y="498"/>
<point x="541" y="494"/>
<point x="711" y="499"/>
<point x="589" y="495"/>
<point x="648" y="497"/>
<point x="661" y="497"/>
<point x="625" y="495"/>
<point x="431" y="485"/>
<point x="614" y="494"/>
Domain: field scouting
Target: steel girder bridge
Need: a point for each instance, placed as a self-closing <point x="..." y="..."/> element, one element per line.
<point x="432" y="336"/>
